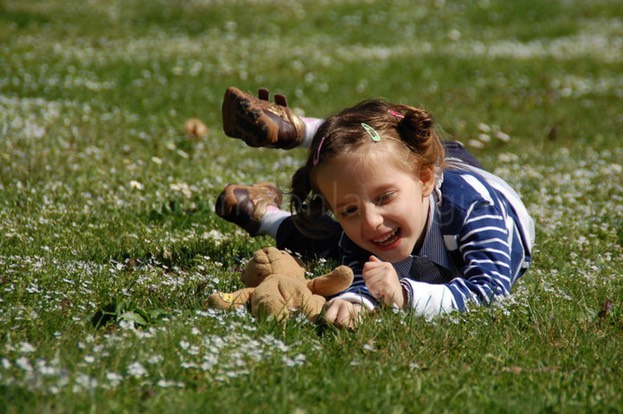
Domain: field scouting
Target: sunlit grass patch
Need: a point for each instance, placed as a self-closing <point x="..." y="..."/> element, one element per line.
<point x="105" y="200"/>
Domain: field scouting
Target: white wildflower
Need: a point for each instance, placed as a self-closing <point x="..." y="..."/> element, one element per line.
<point x="24" y="364"/>
<point x="414" y="366"/>
<point x="296" y="361"/>
<point x="189" y="365"/>
<point x="44" y="369"/>
<point x="126" y="325"/>
<point x="86" y="382"/>
<point x="182" y="188"/>
<point x="166" y="384"/>
<point x="135" y="185"/>
<point x="454" y="35"/>
<point x="137" y="370"/>
<point x="114" y="379"/>
<point x="475" y="143"/>
<point x="502" y="136"/>
<point x="26" y="348"/>
<point x="506" y="157"/>
<point x="484" y="137"/>
<point x="214" y="235"/>
<point x="155" y="359"/>
<point x="484" y="127"/>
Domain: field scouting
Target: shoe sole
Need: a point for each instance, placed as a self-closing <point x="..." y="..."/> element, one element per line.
<point x="244" y="121"/>
<point x="229" y="208"/>
<point x="235" y="205"/>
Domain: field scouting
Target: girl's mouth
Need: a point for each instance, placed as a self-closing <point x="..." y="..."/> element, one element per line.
<point x="389" y="240"/>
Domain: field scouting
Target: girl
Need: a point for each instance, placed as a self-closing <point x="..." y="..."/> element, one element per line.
<point x="421" y="224"/>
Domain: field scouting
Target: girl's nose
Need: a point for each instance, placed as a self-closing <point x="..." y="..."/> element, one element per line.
<point x="371" y="218"/>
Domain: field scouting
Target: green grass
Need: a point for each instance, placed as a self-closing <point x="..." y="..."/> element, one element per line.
<point x="103" y="198"/>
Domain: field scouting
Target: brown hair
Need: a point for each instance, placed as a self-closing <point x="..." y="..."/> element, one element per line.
<point x="409" y="135"/>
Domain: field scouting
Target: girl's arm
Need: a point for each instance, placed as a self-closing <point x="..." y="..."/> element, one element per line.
<point x="483" y="241"/>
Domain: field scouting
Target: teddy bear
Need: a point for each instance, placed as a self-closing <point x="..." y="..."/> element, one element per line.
<point x="276" y="286"/>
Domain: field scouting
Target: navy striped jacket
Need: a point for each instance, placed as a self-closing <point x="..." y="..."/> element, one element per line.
<point x="479" y="239"/>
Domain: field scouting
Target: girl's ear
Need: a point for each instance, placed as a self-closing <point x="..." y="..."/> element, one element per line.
<point x="427" y="178"/>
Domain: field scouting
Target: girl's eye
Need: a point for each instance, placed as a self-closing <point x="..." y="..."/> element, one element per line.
<point x="349" y="211"/>
<point x="384" y="198"/>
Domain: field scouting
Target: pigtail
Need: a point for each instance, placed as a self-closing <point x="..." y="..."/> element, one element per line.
<point x="307" y="206"/>
<point x="416" y="130"/>
<point x="301" y="188"/>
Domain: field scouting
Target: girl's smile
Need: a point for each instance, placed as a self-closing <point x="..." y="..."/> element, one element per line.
<point x="390" y="241"/>
<point x="382" y="208"/>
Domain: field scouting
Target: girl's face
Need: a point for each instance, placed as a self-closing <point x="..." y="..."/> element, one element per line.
<point x="381" y="208"/>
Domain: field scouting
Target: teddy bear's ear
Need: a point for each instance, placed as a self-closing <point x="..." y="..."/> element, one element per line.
<point x="262" y="256"/>
<point x="257" y="268"/>
<point x="288" y="256"/>
<point x="282" y="260"/>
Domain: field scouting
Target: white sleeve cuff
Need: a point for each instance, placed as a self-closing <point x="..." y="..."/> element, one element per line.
<point x="429" y="300"/>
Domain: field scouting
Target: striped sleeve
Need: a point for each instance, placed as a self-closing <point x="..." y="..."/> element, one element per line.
<point x="482" y="243"/>
<point x="484" y="246"/>
<point x="482" y="232"/>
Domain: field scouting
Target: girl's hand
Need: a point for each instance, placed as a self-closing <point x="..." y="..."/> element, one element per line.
<point x="383" y="283"/>
<point x="343" y="314"/>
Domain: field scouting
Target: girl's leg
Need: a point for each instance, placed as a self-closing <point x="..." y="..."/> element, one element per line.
<point x="290" y="238"/>
<point x="246" y="206"/>
<point x="257" y="210"/>
<point x="311" y="126"/>
<point x="455" y="149"/>
<point x="261" y="123"/>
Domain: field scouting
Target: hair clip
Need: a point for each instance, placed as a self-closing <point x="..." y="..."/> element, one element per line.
<point x="372" y="132"/>
<point x="396" y="114"/>
<point x="316" y="159"/>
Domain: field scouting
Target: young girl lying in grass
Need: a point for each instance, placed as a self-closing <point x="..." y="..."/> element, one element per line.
<point x="424" y="227"/>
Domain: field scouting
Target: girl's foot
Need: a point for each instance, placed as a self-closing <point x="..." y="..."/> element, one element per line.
<point x="259" y="122"/>
<point x="246" y="205"/>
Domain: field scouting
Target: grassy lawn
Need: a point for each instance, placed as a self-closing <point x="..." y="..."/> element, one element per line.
<point x="105" y="200"/>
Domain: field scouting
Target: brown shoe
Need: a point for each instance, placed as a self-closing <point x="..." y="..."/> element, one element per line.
<point x="245" y="205"/>
<point x="259" y="122"/>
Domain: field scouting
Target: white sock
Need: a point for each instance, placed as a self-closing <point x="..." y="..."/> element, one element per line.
<point x="311" y="126"/>
<point x="271" y="221"/>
